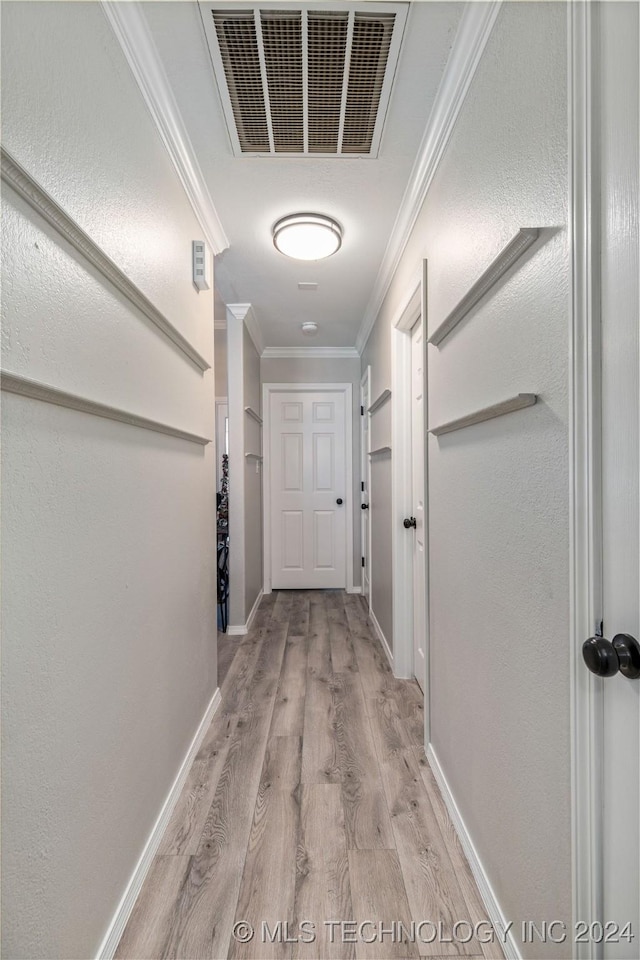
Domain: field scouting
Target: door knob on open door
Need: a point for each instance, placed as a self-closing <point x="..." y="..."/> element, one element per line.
<point x="606" y="657"/>
<point x="364" y="506"/>
<point x="409" y="522"/>
<point x="339" y="501"/>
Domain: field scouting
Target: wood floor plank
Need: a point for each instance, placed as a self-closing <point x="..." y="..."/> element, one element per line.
<point x="323" y="891"/>
<point x="343" y="657"/>
<point x="203" y="916"/>
<point x="299" y="614"/>
<point x="288" y="713"/>
<point x="378" y="895"/>
<point x="153" y="916"/>
<point x="430" y="879"/>
<point x="367" y="820"/>
<point x="477" y="910"/>
<point x="185" y="827"/>
<point x="267" y="891"/>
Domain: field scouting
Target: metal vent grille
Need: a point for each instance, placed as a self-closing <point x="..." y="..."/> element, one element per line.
<point x="307" y="81"/>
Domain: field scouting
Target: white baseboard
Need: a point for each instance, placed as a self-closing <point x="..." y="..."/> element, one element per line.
<point x="354" y="590"/>
<point x="381" y="636"/>
<point x="239" y="630"/>
<point x="494" y="911"/>
<point x="126" y="905"/>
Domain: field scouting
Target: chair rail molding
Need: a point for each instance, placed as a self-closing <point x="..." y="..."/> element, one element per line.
<point x="335" y="353"/>
<point x="27" y="187"/>
<point x="487" y="413"/>
<point x="132" y="32"/>
<point x="507" y="258"/>
<point x="380" y="401"/>
<point x="470" y="41"/>
<point x="35" y="390"/>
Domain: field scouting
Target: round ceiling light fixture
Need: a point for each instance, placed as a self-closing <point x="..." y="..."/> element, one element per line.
<point x="307" y="236"/>
<point x="309" y="328"/>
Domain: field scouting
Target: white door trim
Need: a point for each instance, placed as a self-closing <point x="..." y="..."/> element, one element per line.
<point x="585" y="464"/>
<point x="401" y="483"/>
<point x="347" y="389"/>
<point x="366" y="471"/>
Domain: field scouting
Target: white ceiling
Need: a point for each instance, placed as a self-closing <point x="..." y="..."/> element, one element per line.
<point x="251" y="193"/>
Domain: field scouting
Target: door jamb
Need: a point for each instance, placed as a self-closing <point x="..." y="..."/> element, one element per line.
<point x="585" y="460"/>
<point x="347" y="389"/>
<point x="401" y="485"/>
<point x="366" y="469"/>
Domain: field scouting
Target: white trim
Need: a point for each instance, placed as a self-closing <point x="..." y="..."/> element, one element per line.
<point x="508" y="256"/>
<point x="584" y="465"/>
<point x="347" y="353"/>
<point x="43" y="203"/>
<point x="401" y="485"/>
<point x="35" y="390"/>
<point x="254" y="416"/>
<point x="365" y="473"/>
<point x="132" y="32"/>
<point x="511" y="405"/>
<point x="347" y="389"/>
<point x="123" y="912"/>
<point x="381" y="637"/>
<point x="244" y="312"/>
<point x="380" y="401"/>
<point x="237" y="418"/>
<point x="354" y="590"/>
<point x="468" y="46"/>
<point x="241" y="629"/>
<point x="494" y="911"/>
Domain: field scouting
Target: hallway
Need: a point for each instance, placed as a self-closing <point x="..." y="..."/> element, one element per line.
<point x="309" y="800"/>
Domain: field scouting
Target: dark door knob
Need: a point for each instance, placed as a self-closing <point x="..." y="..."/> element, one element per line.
<point x="364" y="506"/>
<point x="606" y="657"/>
<point x="339" y="501"/>
<point x="409" y="522"/>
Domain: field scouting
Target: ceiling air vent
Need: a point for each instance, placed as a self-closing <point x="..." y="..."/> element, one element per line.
<point x="310" y="81"/>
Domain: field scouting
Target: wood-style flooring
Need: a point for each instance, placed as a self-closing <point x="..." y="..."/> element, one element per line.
<point x="310" y="812"/>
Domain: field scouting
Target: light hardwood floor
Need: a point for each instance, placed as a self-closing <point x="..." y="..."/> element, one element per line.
<point x="309" y="801"/>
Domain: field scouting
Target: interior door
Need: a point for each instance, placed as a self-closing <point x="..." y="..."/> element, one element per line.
<point x="417" y="482"/>
<point x="307" y="464"/>
<point x="364" y="483"/>
<point x="621" y="466"/>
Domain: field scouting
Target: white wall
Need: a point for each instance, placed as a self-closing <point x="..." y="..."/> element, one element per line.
<point x="499" y="492"/>
<point x="109" y="639"/>
<point x="327" y="370"/>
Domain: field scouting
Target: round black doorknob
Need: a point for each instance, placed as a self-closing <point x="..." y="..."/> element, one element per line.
<point x="606" y="657"/>
<point x="409" y="522"/>
<point x="339" y="501"/>
<point x="628" y="650"/>
<point x="364" y="506"/>
<point x="600" y="657"/>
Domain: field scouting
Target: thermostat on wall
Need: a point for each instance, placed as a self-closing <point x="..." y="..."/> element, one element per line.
<point x="200" y="264"/>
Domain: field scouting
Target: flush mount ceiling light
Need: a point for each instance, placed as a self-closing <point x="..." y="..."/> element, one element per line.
<point x="309" y="328"/>
<point x="307" y="236"/>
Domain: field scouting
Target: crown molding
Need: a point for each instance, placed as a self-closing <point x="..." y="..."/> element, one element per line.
<point x="243" y="313"/>
<point x="132" y="32"/>
<point x="470" y="41"/>
<point x="282" y="353"/>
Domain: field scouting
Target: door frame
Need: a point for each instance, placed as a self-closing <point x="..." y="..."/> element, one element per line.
<point x="365" y="471"/>
<point x="413" y="308"/>
<point x="347" y="390"/>
<point x="585" y="461"/>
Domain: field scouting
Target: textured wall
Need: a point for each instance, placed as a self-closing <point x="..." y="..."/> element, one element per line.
<point x="327" y="370"/>
<point x="499" y="494"/>
<point x="109" y="649"/>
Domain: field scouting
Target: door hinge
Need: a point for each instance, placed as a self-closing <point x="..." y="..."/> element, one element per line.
<point x="361" y="410"/>
<point x="362" y="485"/>
<point x="600" y="628"/>
<point x="363" y="561"/>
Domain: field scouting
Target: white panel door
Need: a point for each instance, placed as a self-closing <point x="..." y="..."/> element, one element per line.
<point x="417" y="480"/>
<point x="307" y="463"/>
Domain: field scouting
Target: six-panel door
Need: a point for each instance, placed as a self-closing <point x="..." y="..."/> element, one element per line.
<point x="307" y="465"/>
